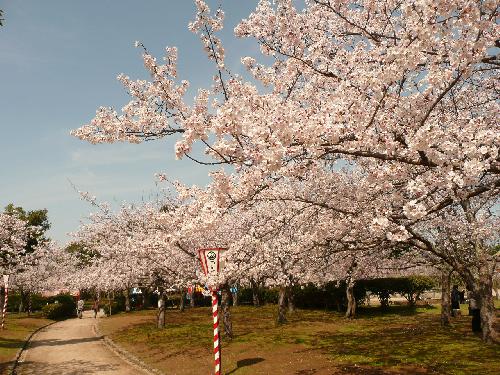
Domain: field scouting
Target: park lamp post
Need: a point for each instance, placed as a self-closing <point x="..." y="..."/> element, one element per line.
<point x="212" y="263"/>
<point x="6" y="298"/>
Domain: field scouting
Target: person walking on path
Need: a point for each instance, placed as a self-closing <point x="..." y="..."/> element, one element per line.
<point x="80" y="308"/>
<point x="455" y="300"/>
<point x="95" y="307"/>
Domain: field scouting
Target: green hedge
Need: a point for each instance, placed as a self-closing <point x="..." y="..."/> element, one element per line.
<point x="37" y="301"/>
<point x="332" y="295"/>
<point x="60" y="307"/>
<point x="13" y="303"/>
<point x="309" y="296"/>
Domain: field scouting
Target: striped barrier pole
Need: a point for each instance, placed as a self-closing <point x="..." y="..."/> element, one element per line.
<point x="6" y="299"/>
<point x="217" y="351"/>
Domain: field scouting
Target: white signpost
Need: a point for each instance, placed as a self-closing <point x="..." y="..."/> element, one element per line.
<point x="212" y="262"/>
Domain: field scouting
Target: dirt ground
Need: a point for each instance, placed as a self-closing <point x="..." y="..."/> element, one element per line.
<point x="70" y="347"/>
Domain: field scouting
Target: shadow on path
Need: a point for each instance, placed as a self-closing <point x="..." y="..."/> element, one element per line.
<point x="56" y="342"/>
<point x="66" y="368"/>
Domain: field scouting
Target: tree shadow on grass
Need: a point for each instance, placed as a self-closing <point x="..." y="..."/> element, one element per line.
<point x="245" y="362"/>
<point x="10" y="343"/>
<point x="398" y="310"/>
<point x="412" y="346"/>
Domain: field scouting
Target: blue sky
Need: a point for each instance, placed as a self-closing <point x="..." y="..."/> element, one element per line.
<point x="58" y="62"/>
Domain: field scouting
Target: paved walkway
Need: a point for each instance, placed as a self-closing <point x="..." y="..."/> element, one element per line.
<point x="70" y="347"/>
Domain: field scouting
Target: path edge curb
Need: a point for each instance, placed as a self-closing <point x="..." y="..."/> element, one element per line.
<point x="11" y="369"/>
<point x="124" y="354"/>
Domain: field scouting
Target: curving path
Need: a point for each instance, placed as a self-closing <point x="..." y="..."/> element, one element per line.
<point x="71" y="347"/>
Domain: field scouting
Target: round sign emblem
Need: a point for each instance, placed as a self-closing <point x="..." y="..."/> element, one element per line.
<point x="211" y="255"/>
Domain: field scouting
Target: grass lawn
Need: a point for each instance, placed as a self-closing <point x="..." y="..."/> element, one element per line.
<point x="400" y="341"/>
<point x="17" y="327"/>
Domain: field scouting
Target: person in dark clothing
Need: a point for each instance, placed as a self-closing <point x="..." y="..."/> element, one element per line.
<point x="462" y="297"/>
<point x="95" y="307"/>
<point x="455" y="299"/>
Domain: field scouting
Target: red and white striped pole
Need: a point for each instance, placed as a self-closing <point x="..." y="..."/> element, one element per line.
<point x="6" y="299"/>
<point x="217" y="351"/>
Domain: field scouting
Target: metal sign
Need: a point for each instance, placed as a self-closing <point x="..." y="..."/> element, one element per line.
<point x="212" y="260"/>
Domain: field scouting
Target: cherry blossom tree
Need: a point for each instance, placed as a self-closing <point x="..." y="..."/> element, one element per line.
<point x="396" y="83"/>
<point x="13" y="236"/>
<point x="406" y="92"/>
<point x="48" y="267"/>
<point x="135" y="247"/>
<point x="464" y="236"/>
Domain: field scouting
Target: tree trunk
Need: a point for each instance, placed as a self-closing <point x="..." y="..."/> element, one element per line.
<point x="109" y="304"/>
<point x="29" y="303"/>
<point x="384" y="297"/>
<point x="486" y="305"/>
<point x="191" y="301"/>
<point x="181" y="302"/>
<point x="226" y="313"/>
<point x="21" y="304"/>
<point x="145" y="299"/>
<point x="161" y="311"/>
<point x="412" y="299"/>
<point x="445" y="297"/>
<point x="482" y="288"/>
<point x="351" y="301"/>
<point x="282" y="305"/>
<point x="291" y="300"/>
<point x="127" y="300"/>
<point x="255" y="294"/>
<point x="235" y="297"/>
<point x="141" y="296"/>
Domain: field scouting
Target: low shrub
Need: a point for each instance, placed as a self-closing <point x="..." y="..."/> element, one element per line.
<point x="174" y="301"/>
<point x="37" y="302"/>
<point x="64" y="299"/>
<point x="13" y="302"/>
<point x="60" y="307"/>
<point x="115" y="308"/>
<point x="201" y="300"/>
<point x="330" y="296"/>
<point x="59" y="311"/>
<point x="266" y="295"/>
